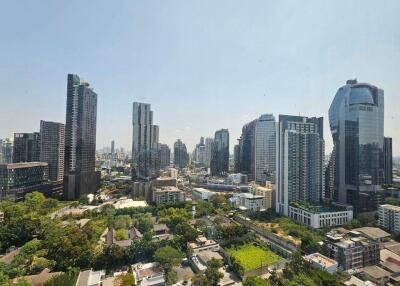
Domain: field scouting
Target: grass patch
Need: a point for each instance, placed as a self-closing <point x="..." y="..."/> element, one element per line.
<point x="250" y="256"/>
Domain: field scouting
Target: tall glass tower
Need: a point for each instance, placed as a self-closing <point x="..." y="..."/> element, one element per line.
<point x="356" y="119"/>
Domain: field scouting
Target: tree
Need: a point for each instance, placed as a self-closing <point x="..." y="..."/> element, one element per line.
<point x="121" y="234"/>
<point x="212" y="272"/>
<point x="173" y="216"/>
<point x="199" y="280"/>
<point x="123" y="221"/>
<point x="126" y="279"/>
<point x="34" y="200"/>
<point x="171" y="277"/>
<point x="255" y="281"/>
<point x="144" y="223"/>
<point x="168" y="257"/>
<point x="187" y="231"/>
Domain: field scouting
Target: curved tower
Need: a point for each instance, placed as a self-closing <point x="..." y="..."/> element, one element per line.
<point x="356" y="119"/>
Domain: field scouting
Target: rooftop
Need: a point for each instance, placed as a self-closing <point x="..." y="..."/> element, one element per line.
<point x="373" y="232"/>
<point x="391" y="207"/>
<point x="129" y="203"/>
<point x="317" y="208"/>
<point x="23" y="165"/>
<point x="321" y="259"/>
<point x="376" y="272"/>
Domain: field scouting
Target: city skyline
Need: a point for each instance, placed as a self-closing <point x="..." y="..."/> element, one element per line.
<point x="243" y="63"/>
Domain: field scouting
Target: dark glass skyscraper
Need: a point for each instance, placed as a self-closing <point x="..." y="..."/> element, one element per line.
<point x="356" y="119"/>
<point x="26" y="147"/>
<point x="245" y="154"/>
<point x="388" y="160"/>
<point x="220" y="153"/>
<point x="80" y="139"/>
<point x="181" y="157"/>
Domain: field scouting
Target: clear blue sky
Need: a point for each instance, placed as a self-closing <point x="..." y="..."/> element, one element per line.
<point x="203" y="65"/>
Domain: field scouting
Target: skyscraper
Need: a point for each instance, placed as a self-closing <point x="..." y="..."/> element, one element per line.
<point x="6" y="150"/>
<point x="299" y="161"/>
<point x="264" y="148"/>
<point x="144" y="142"/>
<point x="247" y="150"/>
<point x="209" y="145"/>
<point x="388" y="160"/>
<point x="52" y="148"/>
<point x="181" y="157"/>
<point x="112" y="148"/>
<point x="165" y="156"/>
<point x="220" y="153"/>
<point x="80" y="177"/>
<point x="356" y="119"/>
<point x="26" y="147"/>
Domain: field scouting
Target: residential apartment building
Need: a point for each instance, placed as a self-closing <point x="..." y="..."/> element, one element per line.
<point x="266" y="192"/>
<point x="80" y="177"/>
<point x="52" y="148"/>
<point x="166" y="195"/>
<point x="248" y="201"/>
<point x="351" y="250"/>
<point x="300" y="161"/>
<point x="389" y="218"/>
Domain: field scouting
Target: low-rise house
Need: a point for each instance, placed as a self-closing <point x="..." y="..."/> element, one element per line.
<point x="161" y="232"/>
<point x="374" y="233"/>
<point x="322" y="262"/>
<point x="320" y="216"/>
<point x="129" y="203"/>
<point x="39" y="279"/>
<point x="200" y="259"/>
<point x="148" y="274"/>
<point x="375" y="274"/>
<point x="354" y="281"/>
<point x="133" y="234"/>
<point x="351" y="250"/>
<point x="266" y="191"/>
<point x="203" y="244"/>
<point x="90" y="278"/>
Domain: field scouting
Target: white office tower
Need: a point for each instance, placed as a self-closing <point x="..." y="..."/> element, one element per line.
<point x="265" y="142"/>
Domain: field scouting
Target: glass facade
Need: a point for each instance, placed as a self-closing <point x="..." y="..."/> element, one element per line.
<point x="356" y="119"/>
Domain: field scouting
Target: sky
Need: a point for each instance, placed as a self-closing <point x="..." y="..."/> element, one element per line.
<point x="202" y="65"/>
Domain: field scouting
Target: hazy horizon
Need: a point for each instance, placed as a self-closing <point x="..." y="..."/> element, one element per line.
<point x="202" y="65"/>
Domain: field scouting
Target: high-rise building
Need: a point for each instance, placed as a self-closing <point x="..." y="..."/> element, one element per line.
<point x="199" y="153"/>
<point x="165" y="156"/>
<point x="264" y="149"/>
<point x="356" y="119"/>
<point x="209" y="145"/>
<point x="26" y="147"/>
<point x="220" y="153"/>
<point x="236" y="158"/>
<point x="6" y="150"/>
<point x="181" y="157"/>
<point x="247" y="151"/>
<point x="80" y="177"/>
<point x="388" y="160"/>
<point x="299" y="161"/>
<point x="112" y="148"/>
<point x="52" y="148"/>
<point x="144" y="142"/>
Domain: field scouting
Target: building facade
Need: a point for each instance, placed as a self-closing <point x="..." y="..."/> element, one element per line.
<point x="26" y="147"/>
<point x="52" y="148"/>
<point x="265" y="149"/>
<point x="16" y="179"/>
<point x="317" y="216"/>
<point x="356" y="118"/>
<point x="388" y="160"/>
<point x="351" y="251"/>
<point x="299" y="162"/>
<point x="145" y="141"/>
<point x="181" y="156"/>
<point x="209" y="143"/>
<point x="6" y="151"/>
<point x="80" y="177"/>
<point x="245" y="154"/>
<point x="165" y="156"/>
<point x="220" y="153"/>
<point x="168" y="195"/>
<point x="266" y="192"/>
<point x="248" y="201"/>
<point x="389" y="218"/>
